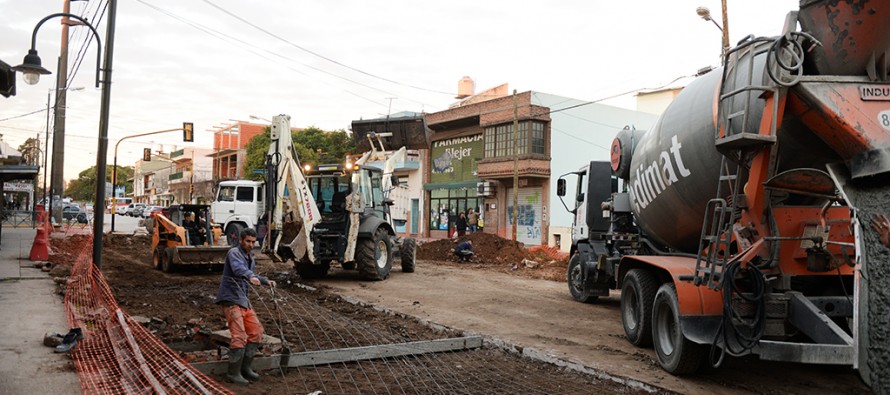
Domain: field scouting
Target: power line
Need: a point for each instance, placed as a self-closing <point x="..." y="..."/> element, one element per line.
<point x="295" y="45"/>
<point x="222" y="36"/>
<point x="81" y="54"/>
<point x="23" y="115"/>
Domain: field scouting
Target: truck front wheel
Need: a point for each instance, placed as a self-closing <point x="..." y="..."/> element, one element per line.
<point x="579" y="289"/>
<point x="675" y="353"/>
<point x="233" y="233"/>
<point x="374" y="256"/>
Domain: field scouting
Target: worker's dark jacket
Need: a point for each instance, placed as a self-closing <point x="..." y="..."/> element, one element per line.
<point x="235" y="286"/>
<point x="465" y="246"/>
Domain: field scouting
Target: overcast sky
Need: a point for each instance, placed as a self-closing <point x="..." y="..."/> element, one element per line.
<point x="327" y="63"/>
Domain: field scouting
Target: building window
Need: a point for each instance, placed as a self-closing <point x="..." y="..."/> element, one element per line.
<point x="499" y="139"/>
<point x="446" y="204"/>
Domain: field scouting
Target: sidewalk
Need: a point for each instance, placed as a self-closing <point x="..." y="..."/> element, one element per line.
<point x="30" y="307"/>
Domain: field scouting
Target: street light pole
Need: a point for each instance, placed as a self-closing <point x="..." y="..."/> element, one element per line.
<point x="114" y="167"/>
<point x="102" y="152"/>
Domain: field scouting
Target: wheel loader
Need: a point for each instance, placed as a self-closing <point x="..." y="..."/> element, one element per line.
<point x="187" y="238"/>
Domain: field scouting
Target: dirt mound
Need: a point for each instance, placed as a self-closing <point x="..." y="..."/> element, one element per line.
<point x="136" y="243"/>
<point x="487" y="247"/>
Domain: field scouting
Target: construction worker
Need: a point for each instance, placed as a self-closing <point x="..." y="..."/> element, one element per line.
<point x="246" y="330"/>
<point x="464" y="251"/>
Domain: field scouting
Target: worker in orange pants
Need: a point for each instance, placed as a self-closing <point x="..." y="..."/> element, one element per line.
<point x="246" y="330"/>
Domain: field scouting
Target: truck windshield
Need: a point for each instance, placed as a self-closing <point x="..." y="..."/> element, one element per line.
<point x="329" y="191"/>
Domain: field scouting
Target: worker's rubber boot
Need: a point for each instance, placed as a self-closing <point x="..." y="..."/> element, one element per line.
<point x="246" y="368"/>
<point x="236" y="357"/>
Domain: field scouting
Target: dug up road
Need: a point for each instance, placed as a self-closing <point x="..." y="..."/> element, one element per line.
<point x="541" y="315"/>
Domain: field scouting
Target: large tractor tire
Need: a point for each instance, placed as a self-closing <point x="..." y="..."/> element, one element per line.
<point x="157" y="258"/>
<point x="675" y="353"/>
<point x="169" y="265"/>
<point x="577" y="287"/>
<point x="374" y="256"/>
<point x="233" y="233"/>
<point x="637" y="295"/>
<point x="308" y="271"/>
<point x="408" y="252"/>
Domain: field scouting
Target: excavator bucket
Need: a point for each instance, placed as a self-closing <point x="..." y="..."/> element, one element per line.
<point x="410" y="132"/>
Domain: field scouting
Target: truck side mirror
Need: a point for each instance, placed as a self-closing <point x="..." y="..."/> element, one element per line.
<point x="561" y="187"/>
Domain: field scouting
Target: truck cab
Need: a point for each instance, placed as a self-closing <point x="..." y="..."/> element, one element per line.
<point x="602" y="230"/>
<point x="239" y="204"/>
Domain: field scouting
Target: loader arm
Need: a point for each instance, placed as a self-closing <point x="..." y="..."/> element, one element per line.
<point x="293" y="205"/>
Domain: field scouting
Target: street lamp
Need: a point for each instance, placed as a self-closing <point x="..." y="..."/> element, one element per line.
<point x="705" y="14"/>
<point x="31" y="69"/>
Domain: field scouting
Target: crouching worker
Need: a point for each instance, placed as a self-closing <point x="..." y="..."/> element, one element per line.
<point x="464" y="251"/>
<point x="246" y="330"/>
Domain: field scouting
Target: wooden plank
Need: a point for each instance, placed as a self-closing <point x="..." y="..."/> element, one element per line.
<point x="352" y="354"/>
<point x="134" y="348"/>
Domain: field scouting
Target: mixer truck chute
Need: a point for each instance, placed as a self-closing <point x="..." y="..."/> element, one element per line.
<point x="736" y="222"/>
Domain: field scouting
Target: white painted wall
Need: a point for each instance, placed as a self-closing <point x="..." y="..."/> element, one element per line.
<point x="577" y="136"/>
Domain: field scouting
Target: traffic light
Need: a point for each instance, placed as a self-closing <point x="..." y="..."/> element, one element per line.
<point x="7" y="80"/>
<point x="191" y="189"/>
<point x="146" y="154"/>
<point x="188" y="132"/>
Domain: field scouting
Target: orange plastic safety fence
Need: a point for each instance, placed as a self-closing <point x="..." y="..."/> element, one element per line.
<point x="551" y="251"/>
<point x="117" y="354"/>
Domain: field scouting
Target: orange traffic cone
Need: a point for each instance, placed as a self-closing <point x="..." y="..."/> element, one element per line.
<point x="40" y="250"/>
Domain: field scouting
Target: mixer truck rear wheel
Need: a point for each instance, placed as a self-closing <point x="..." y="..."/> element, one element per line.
<point x="407" y="253"/>
<point x="637" y="295"/>
<point x="675" y="353"/>
<point x="373" y="256"/>
<point x="577" y="287"/>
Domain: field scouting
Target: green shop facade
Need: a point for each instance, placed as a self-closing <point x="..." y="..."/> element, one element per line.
<point x="452" y="182"/>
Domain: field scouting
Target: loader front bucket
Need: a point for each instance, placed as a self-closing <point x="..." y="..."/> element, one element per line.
<point x="409" y="131"/>
<point x="200" y="255"/>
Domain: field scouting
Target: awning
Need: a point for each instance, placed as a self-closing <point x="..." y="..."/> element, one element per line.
<point x="17" y="172"/>
<point x="221" y="153"/>
<point x="450" y="185"/>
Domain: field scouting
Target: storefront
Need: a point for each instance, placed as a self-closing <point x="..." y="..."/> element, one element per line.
<point x="452" y="186"/>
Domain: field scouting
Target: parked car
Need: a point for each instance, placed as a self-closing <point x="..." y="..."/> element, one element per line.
<point x="123" y="210"/>
<point x="74" y="213"/>
<point x="148" y="211"/>
<point x="136" y="209"/>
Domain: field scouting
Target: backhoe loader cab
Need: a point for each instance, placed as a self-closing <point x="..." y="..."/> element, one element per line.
<point x="318" y="215"/>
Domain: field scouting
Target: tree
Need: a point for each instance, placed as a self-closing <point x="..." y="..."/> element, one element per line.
<point x="313" y="145"/>
<point x="84" y="187"/>
<point x="30" y="150"/>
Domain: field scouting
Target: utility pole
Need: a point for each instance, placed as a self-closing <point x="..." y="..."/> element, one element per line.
<point x="515" y="161"/>
<point x="58" y="180"/>
<point x="725" y="28"/>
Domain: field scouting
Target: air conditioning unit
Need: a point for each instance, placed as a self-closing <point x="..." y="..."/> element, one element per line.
<point x="485" y="188"/>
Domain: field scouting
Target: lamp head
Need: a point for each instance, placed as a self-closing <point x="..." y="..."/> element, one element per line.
<point x="31" y="68"/>
<point x="704" y="13"/>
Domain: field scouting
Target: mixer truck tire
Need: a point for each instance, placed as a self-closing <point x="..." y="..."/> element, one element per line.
<point x="676" y="354"/>
<point x="637" y="295"/>
<point x="408" y="251"/>
<point x="579" y="289"/>
<point x="373" y="256"/>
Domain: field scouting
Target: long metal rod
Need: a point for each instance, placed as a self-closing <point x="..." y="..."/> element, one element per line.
<point x="102" y="151"/>
<point x="114" y="170"/>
